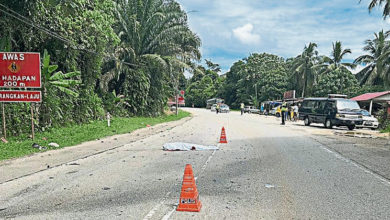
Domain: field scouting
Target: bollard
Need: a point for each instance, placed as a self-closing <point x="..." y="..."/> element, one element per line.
<point x="108" y="119"/>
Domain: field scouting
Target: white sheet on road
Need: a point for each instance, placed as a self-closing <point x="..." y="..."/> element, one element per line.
<point x="179" y="146"/>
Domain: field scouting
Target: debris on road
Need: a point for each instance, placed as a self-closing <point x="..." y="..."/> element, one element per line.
<point x="179" y="146"/>
<point x="37" y="146"/>
<point x="269" y="186"/>
<point x="74" y="164"/>
<point x="4" y="140"/>
<point x="354" y="134"/>
<point x="54" y="145"/>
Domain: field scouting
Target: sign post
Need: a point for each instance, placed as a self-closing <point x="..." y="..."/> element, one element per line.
<point x="20" y="70"/>
<point x="32" y="121"/>
<point x="4" y="130"/>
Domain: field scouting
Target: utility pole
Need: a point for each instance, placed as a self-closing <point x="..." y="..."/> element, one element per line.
<point x="177" y="97"/>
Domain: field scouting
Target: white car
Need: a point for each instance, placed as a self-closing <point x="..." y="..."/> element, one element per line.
<point x="369" y="121"/>
<point x="224" y="108"/>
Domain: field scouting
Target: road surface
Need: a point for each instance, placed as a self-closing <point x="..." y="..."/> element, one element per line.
<point x="266" y="171"/>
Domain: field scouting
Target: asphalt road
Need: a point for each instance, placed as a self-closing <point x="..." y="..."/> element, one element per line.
<point x="266" y="171"/>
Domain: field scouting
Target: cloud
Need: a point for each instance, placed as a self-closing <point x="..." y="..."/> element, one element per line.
<point x="245" y="35"/>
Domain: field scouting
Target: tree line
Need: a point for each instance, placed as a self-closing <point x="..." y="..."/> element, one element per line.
<point x="126" y="57"/>
<point x="262" y="77"/>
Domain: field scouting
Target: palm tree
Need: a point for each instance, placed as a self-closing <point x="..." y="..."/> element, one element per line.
<point x="335" y="60"/>
<point x="380" y="3"/>
<point x="155" y="43"/>
<point x="375" y="61"/>
<point x="151" y="31"/>
<point x="305" y="68"/>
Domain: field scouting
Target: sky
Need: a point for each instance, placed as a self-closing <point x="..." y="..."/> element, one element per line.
<point x="232" y="30"/>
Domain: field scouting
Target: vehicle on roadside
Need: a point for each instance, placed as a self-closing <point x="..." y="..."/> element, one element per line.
<point x="254" y="111"/>
<point x="331" y="112"/>
<point x="224" y="108"/>
<point x="369" y="121"/>
<point x="276" y="111"/>
<point x="211" y="102"/>
<point x="251" y="110"/>
<point x="214" y="108"/>
<point x="246" y="109"/>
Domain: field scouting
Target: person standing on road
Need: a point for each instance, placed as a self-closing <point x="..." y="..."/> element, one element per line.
<point x="217" y="108"/>
<point x="284" y="111"/>
<point x="242" y="108"/>
<point x="262" y="109"/>
<point x="295" y="109"/>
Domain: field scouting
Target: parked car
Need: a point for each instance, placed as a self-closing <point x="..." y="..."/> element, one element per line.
<point x="214" y="108"/>
<point x="369" y="121"/>
<point x="224" y="108"/>
<point x="251" y="109"/>
<point x="275" y="111"/>
<point x="246" y="109"/>
<point x="331" y="112"/>
<point x="254" y="111"/>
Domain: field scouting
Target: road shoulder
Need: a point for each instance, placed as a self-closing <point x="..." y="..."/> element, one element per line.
<point x="16" y="168"/>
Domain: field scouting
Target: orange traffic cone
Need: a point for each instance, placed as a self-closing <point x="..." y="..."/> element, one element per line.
<point x="189" y="196"/>
<point x="223" y="140"/>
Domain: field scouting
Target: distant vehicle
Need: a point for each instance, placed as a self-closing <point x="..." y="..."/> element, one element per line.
<point x="254" y="110"/>
<point x="276" y="111"/>
<point x="331" y="112"/>
<point x="369" y="121"/>
<point x="211" y="102"/>
<point x="214" y="108"/>
<point x="251" y="109"/>
<point x="224" y="108"/>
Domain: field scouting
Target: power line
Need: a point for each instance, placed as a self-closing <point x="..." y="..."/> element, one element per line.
<point x="23" y="19"/>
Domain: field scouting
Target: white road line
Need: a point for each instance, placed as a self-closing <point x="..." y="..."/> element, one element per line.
<point x="154" y="210"/>
<point x="168" y="215"/>
<point x="364" y="169"/>
<point x="205" y="164"/>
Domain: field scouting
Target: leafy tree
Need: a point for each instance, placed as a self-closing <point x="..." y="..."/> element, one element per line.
<point x="338" y="81"/>
<point x="213" y="66"/>
<point x="205" y="84"/>
<point x="264" y="73"/>
<point x="230" y="87"/>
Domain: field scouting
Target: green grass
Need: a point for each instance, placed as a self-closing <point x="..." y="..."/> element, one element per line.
<point x="76" y="134"/>
<point x="387" y="130"/>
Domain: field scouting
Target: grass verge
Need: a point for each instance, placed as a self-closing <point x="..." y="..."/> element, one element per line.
<point x="386" y="130"/>
<point x="76" y="134"/>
